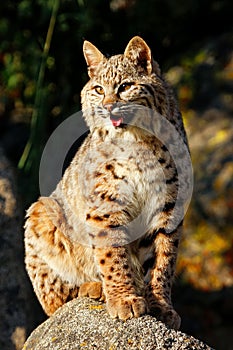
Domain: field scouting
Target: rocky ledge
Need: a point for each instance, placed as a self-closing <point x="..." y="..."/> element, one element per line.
<point x="84" y="324"/>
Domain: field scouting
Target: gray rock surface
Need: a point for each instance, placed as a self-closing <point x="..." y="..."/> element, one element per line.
<point x="84" y="324"/>
<point x="16" y="298"/>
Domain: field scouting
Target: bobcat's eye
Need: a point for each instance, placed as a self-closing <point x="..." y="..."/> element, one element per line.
<point x="124" y="87"/>
<point x="99" y="90"/>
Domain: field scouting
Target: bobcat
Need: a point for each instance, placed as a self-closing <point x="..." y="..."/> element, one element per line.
<point x="104" y="232"/>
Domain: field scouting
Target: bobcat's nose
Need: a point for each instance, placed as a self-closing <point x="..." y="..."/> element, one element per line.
<point x="108" y="106"/>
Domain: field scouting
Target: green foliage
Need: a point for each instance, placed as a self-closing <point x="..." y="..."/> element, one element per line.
<point x="30" y="159"/>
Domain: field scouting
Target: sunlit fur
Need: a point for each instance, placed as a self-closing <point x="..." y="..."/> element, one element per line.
<point x="79" y="241"/>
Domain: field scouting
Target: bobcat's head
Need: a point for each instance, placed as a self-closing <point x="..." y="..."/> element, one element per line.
<point x="119" y="83"/>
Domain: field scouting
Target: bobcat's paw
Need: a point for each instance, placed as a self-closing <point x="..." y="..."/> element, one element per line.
<point x="168" y="316"/>
<point x="126" y="307"/>
<point x="171" y="318"/>
<point x="92" y="290"/>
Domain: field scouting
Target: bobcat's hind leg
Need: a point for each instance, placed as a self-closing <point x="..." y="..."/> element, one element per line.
<point x="48" y="256"/>
<point x="50" y="290"/>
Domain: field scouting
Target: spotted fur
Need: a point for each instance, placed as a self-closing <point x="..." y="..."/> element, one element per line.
<point x="103" y="232"/>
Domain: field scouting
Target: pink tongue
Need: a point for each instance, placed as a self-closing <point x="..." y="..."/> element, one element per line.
<point x="116" y="122"/>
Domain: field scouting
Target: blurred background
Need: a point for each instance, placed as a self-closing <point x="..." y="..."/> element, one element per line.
<point x="42" y="71"/>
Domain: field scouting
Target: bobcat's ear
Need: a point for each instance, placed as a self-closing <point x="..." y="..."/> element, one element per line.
<point x="92" y="56"/>
<point x="139" y="52"/>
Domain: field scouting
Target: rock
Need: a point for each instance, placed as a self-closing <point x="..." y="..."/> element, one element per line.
<point x="84" y="324"/>
<point x="15" y="289"/>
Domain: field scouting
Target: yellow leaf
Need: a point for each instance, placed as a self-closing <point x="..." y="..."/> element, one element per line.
<point x="95" y="307"/>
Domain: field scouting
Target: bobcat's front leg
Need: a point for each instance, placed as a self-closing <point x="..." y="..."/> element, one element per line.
<point x="159" y="289"/>
<point x="122" y="294"/>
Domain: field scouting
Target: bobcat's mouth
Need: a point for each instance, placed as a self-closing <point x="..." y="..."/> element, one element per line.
<point x="116" y="121"/>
